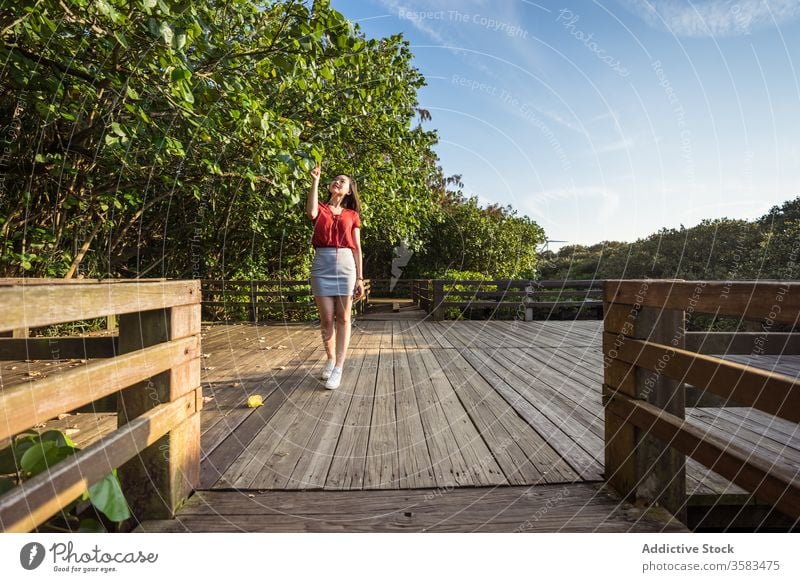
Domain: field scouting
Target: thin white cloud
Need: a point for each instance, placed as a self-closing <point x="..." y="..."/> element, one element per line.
<point x="402" y="10"/>
<point x="714" y="17"/>
<point x="625" y="143"/>
<point x="430" y="17"/>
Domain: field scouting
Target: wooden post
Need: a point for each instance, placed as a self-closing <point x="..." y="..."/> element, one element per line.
<point x="438" y="297"/>
<point x="20" y="332"/>
<point x="158" y="481"/>
<point x="254" y="300"/>
<point x="111" y="322"/>
<point x="529" y="298"/>
<point x="638" y="465"/>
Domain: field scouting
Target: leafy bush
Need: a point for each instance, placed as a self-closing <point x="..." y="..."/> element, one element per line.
<point x="31" y="454"/>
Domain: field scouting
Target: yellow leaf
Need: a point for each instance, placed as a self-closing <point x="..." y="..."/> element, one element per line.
<point x="255" y="401"/>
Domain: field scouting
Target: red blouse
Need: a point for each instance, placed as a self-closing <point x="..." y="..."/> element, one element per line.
<point x="335" y="230"/>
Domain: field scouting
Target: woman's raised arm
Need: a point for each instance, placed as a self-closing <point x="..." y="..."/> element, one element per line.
<point x="312" y="207"/>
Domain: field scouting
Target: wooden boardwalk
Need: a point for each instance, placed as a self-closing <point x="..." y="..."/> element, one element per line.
<point x="421" y="405"/>
<point x="494" y="417"/>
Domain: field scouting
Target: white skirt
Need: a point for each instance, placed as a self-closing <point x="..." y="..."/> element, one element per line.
<point x="333" y="272"/>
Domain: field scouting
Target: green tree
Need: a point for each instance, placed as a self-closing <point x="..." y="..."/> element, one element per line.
<point x="163" y="137"/>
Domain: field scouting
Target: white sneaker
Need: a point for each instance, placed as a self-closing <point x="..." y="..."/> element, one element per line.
<point x="326" y="371"/>
<point x="334" y="380"/>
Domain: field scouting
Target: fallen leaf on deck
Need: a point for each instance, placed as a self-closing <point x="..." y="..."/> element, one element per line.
<point x="255" y="401"/>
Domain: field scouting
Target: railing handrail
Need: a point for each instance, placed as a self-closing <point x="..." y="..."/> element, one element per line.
<point x="156" y="376"/>
<point x="255" y="298"/>
<point x="524" y="295"/>
<point x="645" y="331"/>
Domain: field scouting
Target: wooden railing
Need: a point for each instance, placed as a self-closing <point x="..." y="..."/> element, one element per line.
<point x="522" y="297"/>
<point x="391" y="287"/>
<point x="154" y="369"/>
<point x="648" y="362"/>
<point x="260" y="300"/>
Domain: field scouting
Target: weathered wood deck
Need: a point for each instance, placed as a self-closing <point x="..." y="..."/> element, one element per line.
<point x="421" y="405"/>
<point x="429" y="415"/>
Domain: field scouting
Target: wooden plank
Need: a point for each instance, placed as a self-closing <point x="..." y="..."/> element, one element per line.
<point x="447" y="463"/>
<point x="553" y="508"/>
<point x="414" y="461"/>
<point x="272" y="455"/>
<point x="567" y="460"/>
<point x="42" y="305"/>
<point x="382" y="466"/>
<point x="480" y="462"/>
<point x="512" y="304"/>
<point x="388" y="335"/>
<point x="438" y="332"/>
<point x="240" y="373"/>
<point x="23" y="406"/>
<point x="773" y="393"/>
<point x="767" y="482"/>
<point x="311" y="470"/>
<point x="787" y="364"/>
<point x="504" y="432"/>
<point x="37" y="499"/>
<point x="83" y="427"/>
<point x="239" y="426"/>
<point x="38" y="281"/>
<point x="787" y="429"/>
<point x="348" y="465"/>
<point x="757" y="300"/>
<point x="572" y="366"/>
<point x="261" y="462"/>
<point x="575" y="399"/>
<point x="58" y="348"/>
<point x="619" y="318"/>
<point x="708" y="342"/>
<point x="660" y="469"/>
<point x="759" y="440"/>
<point x="164" y="474"/>
<point x="564" y="406"/>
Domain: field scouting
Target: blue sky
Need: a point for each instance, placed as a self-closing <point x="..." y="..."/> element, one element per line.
<point x="607" y="120"/>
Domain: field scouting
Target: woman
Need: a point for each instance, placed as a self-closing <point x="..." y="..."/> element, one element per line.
<point x="336" y="272"/>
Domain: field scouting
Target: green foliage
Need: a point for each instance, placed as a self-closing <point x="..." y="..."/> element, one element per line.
<point x="720" y="249"/>
<point x="31" y="454"/>
<point x="174" y="138"/>
<point x="494" y="242"/>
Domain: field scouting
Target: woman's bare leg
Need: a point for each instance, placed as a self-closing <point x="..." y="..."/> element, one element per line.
<point x="343" y="306"/>
<point x="326" y="308"/>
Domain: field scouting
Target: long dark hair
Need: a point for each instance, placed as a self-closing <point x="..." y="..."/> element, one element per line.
<point x="351" y="201"/>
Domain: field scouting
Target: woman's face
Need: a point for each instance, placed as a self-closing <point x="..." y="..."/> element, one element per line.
<point x="340" y="185"/>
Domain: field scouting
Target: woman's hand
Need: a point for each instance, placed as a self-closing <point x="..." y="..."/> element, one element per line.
<point x="359" y="290"/>
<point x="316" y="172"/>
